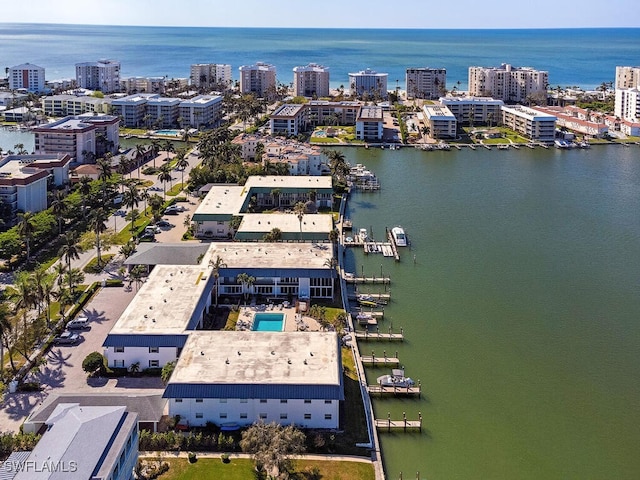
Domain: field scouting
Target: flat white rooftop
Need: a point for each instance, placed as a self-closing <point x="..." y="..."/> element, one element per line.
<point x="290" y="181"/>
<point x="241" y="357"/>
<point x="222" y="200"/>
<point x="286" y="222"/>
<point x="166" y="301"/>
<point x="270" y="255"/>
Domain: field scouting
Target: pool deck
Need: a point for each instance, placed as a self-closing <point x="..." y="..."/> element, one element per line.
<point x="293" y="322"/>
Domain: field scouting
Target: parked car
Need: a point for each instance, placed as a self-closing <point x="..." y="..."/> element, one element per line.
<point x="164" y="223"/>
<point x="147" y="237"/>
<point x="152" y="229"/>
<point x="66" y="338"/>
<point x="171" y="211"/>
<point x="80" y="323"/>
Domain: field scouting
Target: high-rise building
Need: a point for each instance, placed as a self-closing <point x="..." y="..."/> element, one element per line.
<point x="26" y="76"/>
<point x="259" y="79"/>
<point x="103" y="75"/>
<point x="627" y="77"/>
<point x="427" y="83"/>
<point x="211" y="75"/>
<point x="311" y="81"/>
<point x="368" y="83"/>
<point x="507" y="83"/>
<point x="627" y="104"/>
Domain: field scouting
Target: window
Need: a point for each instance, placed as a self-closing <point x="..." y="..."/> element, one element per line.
<point x="263" y="416"/>
<point x="118" y="349"/>
<point x="118" y="363"/>
<point x="199" y="415"/>
<point x="178" y="400"/>
<point x="154" y="363"/>
<point x="329" y="402"/>
<point x="307" y="401"/>
<point x="199" y="400"/>
<point x="154" y="349"/>
<point x="327" y="416"/>
<point x="283" y="400"/>
<point x="263" y="400"/>
<point x="223" y="415"/>
<point x="307" y="416"/>
<point x="243" y="415"/>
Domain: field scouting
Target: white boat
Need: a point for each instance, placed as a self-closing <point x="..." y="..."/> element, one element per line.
<point x="363" y="234"/>
<point x="396" y="379"/>
<point x="399" y="236"/>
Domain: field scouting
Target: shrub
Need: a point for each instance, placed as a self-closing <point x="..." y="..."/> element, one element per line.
<point x="93" y="363"/>
<point x="225" y="458"/>
<point x="192" y="457"/>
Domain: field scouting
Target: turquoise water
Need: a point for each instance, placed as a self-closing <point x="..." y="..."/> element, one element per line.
<point x="268" y="322"/>
<point x="584" y="57"/>
<point x="168" y="132"/>
<point x="520" y="310"/>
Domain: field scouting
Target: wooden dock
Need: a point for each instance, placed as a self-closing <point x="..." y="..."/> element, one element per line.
<point x="374" y="296"/>
<point x="398" y="391"/>
<point x="404" y="424"/>
<point x="394" y="247"/>
<point x="367" y="335"/>
<point x="372" y="280"/>
<point x="380" y="361"/>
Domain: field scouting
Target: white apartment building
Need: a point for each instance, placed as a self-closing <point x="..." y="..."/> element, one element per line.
<point x="203" y="110"/>
<point x="259" y="79"/>
<point x="531" y="123"/>
<point x="78" y="135"/>
<point x="311" y="81"/>
<point x="211" y="75"/>
<point x="578" y="120"/>
<point x="26" y="76"/>
<point x="474" y="110"/>
<point x="132" y="109"/>
<point x="143" y="85"/>
<point x="507" y="83"/>
<point x="370" y="123"/>
<point x="63" y="105"/>
<point x="322" y="112"/>
<point x="103" y="75"/>
<point x="80" y="442"/>
<point x="440" y="120"/>
<point x="163" y="112"/>
<point x="244" y="377"/>
<point x="368" y="83"/>
<point x="12" y="99"/>
<point x="425" y="82"/>
<point x="301" y="158"/>
<point x="627" y="77"/>
<point x="627" y="104"/>
<point x="288" y="119"/>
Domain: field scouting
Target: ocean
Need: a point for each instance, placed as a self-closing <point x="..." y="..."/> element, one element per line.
<point x="580" y="57"/>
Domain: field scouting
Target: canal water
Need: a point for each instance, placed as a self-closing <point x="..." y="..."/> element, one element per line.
<point x="519" y="298"/>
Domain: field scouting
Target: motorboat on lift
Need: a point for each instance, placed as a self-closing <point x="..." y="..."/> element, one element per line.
<point x="395" y="379"/>
<point x="399" y="236"/>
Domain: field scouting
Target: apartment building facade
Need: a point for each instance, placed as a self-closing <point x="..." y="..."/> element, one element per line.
<point x="27" y="77"/>
<point x="259" y="79"/>
<point x="103" y="75"/>
<point x="440" y="120"/>
<point x="474" y="110"/>
<point x="531" y="123"/>
<point x="211" y="75"/>
<point x="370" y="123"/>
<point x="311" y="81"/>
<point x="627" y="77"/>
<point x="507" y="83"/>
<point x="143" y="85"/>
<point x="627" y="104"/>
<point x="368" y="84"/>
<point x="201" y="111"/>
<point x="288" y="119"/>
<point x="425" y="83"/>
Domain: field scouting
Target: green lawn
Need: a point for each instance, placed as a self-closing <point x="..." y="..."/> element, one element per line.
<point x="242" y="469"/>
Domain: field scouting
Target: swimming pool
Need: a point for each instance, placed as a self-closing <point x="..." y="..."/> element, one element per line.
<point x="173" y="133"/>
<point x="268" y="322"/>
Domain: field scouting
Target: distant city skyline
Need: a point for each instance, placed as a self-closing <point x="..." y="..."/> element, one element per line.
<point x="493" y="14"/>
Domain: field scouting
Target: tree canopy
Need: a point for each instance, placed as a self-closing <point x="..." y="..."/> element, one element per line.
<point x="272" y="446"/>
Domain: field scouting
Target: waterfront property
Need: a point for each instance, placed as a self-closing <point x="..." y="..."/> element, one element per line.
<point x="259" y="79"/>
<point x="97" y="442"/>
<point x="578" y="120"/>
<point x="26" y="77"/>
<point x="370" y="123"/>
<point x="103" y="75"/>
<point x="507" y="83"/>
<point x="288" y="119"/>
<point x="143" y="85"/>
<point x="425" y="82"/>
<point x="368" y="84"/>
<point x="534" y="124"/>
<point x="474" y="110"/>
<point x="211" y="75"/>
<point x="309" y="228"/>
<point x="311" y="81"/>
<point x="64" y="105"/>
<point x="440" y="120"/>
<point x="244" y="377"/>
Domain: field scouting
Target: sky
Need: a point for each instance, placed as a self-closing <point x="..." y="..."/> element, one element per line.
<point x="330" y="13"/>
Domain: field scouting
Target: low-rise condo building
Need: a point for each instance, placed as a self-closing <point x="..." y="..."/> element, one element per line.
<point x="370" y="123"/>
<point x="311" y="81"/>
<point x="440" y="121"/>
<point x="26" y="77"/>
<point x="288" y="119"/>
<point x="132" y="109"/>
<point x="578" y="120"/>
<point x="211" y="76"/>
<point x="368" y="84"/>
<point x="322" y="112"/>
<point x="425" y="82"/>
<point x="245" y="377"/>
<point x="507" y="83"/>
<point x="143" y="85"/>
<point x="103" y="75"/>
<point x="259" y="79"/>
<point x="163" y="112"/>
<point x="474" y="110"/>
<point x="201" y="111"/>
<point x="530" y="123"/>
<point x="64" y="105"/>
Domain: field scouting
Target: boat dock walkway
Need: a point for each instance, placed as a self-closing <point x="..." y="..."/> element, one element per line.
<point x="388" y="424"/>
<point x="398" y="391"/>
<point x="351" y="278"/>
<point x="373" y="296"/>
<point x="394" y="247"/>
<point x="380" y="361"/>
<point x="367" y="335"/>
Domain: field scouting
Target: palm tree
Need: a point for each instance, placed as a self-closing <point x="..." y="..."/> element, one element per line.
<point x="104" y="166"/>
<point x="247" y="282"/>
<point x="132" y="216"/>
<point x="165" y="176"/>
<point x="298" y="209"/>
<point x="131" y="197"/>
<point x="59" y="208"/>
<point x="182" y="164"/>
<point x="84" y="188"/>
<point x="24" y="297"/>
<point x="154" y="149"/>
<point x="275" y="193"/>
<point x="5" y="329"/>
<point x="97" y="219"/>
<point x="141" y="152"/>
<point x="26" y="230"/>
<point x="48" y="288"/>
<point x="217" y="265"/>
<point x="70" y="251"/>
